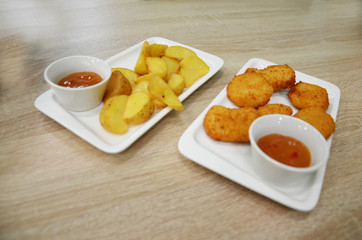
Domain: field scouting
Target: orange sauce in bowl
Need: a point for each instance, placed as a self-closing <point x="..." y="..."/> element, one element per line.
<point x="80" y="79"/>
<point x="286" y="150"/>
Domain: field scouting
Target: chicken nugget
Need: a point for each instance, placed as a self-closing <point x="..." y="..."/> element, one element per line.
<point x="249" y="90"/>
<point x="275" y="108"/>
<point x="304" y="95"/>
<point x="318" y="118"/>
<point x="250" y="70"/>
<point x="279" y="76"/>
<point x="229" y="124"/>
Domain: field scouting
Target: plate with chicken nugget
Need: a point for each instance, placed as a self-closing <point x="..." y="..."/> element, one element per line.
<point x="218" y="138"/>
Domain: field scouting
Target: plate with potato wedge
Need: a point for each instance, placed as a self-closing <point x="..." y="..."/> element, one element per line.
<point x="148" y="80"/>
<point x="225" y="150"/>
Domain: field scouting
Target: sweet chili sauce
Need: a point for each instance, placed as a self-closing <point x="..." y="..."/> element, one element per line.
<point x="80" y="79"/>
<point x="286" y="150"/>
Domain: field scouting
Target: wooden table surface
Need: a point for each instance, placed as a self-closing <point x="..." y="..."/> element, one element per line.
<point x="54" y="185"/>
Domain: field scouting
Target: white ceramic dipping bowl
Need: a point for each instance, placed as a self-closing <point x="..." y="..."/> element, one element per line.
<point x="78" y="99"/>
<point x="274" y="172"/>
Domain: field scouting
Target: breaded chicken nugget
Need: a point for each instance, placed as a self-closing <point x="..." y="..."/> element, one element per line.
<point x="275" y="108"/>
<point x="250" y="70"/>
<point x="304" y="95"/>
<point x="279" y="76"/>
<point x="228" y="124"/>
<point x="249" y="90"/>
<point x="318" y="118"/>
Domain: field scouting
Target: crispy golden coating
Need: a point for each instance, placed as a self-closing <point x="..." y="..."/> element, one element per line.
<point x="250" y="70"/>
<point x="304" y="95"/>
<point x="318" y="118"/>
<point x="249" y="90"/>
<point x="279" y="76"/>
<point x="229" y="125"/>
<point x="275" y="108"/>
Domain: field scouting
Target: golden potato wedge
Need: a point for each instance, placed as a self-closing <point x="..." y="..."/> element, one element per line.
<point x="110" y="116"/>
<point x="145" y="77"/>
<point x="179" y="52"/>
<point x="157" y="66"/>
<point x="141" y="67"/>
<point x="128" y="73"/>
<point x="143" y="87"/>
<point x="118" y="84"/>
<point x="157" y="50"/>
<point x="160" y="90"/>
<point x="192" y="68"/>
<point x="139" y="108"/>
<point x="158" y="104"/>
<point x="172" y="66"/>
<point x="176" y="83"/>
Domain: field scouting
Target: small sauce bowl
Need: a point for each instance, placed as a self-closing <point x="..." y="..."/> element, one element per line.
<point x="274" y="172"/>
<point x="78" y="99"/>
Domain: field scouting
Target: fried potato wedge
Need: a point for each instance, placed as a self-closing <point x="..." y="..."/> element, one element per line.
<point x="160" y="90"/>
<point x="179" y="52"/>
<point x="118" y="84"/>
<point x="157" y="66"/>
<point x="139" y="108"/>
<point x="110" y="116"/>
<point x="176" y="83"/>
<point x="156" y="49"/>
<point x="158" y="104"/>
<point x="145" y="77"/>
<point x="128" y="73"/>
<point x="192" y="68"/>
<point x="143" y="87"/>
<point x="172" y="66"/>
<point x="141" y="66"/>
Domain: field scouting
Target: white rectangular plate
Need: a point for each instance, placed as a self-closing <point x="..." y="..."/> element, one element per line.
<point x="233" y="160"/>
<point x="86" y="124"/>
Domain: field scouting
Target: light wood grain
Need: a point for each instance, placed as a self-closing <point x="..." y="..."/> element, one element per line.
<point x="53" y="185"/>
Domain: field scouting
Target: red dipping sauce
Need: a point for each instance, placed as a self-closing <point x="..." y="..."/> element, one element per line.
<point x="80" y="80"/>
<point x="286" y="150"/>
